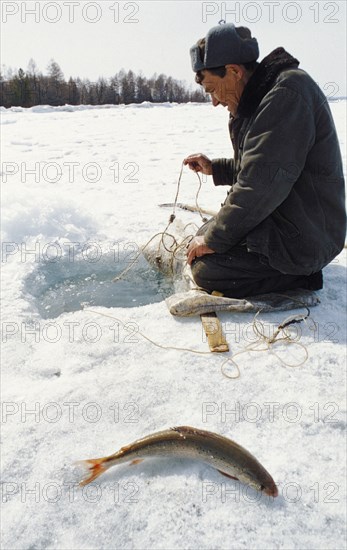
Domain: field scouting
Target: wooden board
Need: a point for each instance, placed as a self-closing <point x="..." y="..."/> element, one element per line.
<point x="214" y="332"/>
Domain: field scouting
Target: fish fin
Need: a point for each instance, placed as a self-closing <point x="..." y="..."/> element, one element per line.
<point x="95" y="468"/>
<point x="189" y="430"/>
<point x="228" y="475"/>
<point x="123" y="450"/>
<point x="184" y="429"/>
<point x="136" y="461"/>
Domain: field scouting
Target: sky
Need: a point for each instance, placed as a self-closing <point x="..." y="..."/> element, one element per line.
<point x="92" y="39"/>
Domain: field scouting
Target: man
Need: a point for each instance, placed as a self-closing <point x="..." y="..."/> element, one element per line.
<point x="284" y="218"/>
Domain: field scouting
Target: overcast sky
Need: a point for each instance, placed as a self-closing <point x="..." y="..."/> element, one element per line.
<point x="92" y="39"/>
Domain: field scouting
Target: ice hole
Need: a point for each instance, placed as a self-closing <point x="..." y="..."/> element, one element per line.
<point x="65" y="286"/>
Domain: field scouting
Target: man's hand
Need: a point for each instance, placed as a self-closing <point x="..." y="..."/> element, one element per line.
<point x="197" y="248"/>
<point x="199" y="163"/>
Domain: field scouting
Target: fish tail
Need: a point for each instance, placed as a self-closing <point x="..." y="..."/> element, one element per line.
<point x="95" y="468"/>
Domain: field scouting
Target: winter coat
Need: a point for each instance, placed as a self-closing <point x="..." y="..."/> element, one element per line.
<point x="287" y="187"/>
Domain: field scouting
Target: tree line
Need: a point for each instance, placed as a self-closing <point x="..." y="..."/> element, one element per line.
<point x="31" y="87"/>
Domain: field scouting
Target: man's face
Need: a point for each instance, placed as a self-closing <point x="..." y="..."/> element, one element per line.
<point x="225" y="91"/>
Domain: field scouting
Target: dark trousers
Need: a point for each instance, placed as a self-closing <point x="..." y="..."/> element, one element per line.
<point x="239" y="273"/>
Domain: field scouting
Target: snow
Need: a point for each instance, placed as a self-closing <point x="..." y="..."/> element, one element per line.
<point x="75" y="108"/>
<point x="95" y="384"/>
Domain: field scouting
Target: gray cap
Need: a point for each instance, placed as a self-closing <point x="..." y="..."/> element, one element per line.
<point x="224" y="46"/>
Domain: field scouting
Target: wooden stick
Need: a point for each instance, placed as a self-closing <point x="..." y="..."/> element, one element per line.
<point x="214" y="332"/>
<point x="190" y="208"/>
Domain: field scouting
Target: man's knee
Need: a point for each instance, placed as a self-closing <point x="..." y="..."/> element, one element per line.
<point x="202" y="272"/>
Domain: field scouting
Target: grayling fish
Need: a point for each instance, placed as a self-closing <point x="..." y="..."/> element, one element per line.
<point x="229" y="458"/>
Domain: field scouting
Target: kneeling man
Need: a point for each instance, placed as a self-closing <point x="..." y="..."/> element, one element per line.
<point x="284" y="217"/>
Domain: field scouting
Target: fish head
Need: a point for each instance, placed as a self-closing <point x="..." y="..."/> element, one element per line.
<point x="269" y="488"/>
<point x="260" y="480"/>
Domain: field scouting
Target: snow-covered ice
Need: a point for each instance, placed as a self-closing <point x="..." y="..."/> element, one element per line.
<point x="81" y="188"/>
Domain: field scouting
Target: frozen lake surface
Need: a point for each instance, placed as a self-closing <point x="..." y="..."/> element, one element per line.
<point x="83" y="184"/>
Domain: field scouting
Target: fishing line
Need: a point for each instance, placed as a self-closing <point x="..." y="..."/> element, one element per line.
<point x="196" y="199"/>
<point x="176" y="246"/>
<point x="149" y="339"/>
<point x="127" y="269"/>
<point x="259" y="331"/>
<point x="257" y="326"/>
<point x="250" y="348"/>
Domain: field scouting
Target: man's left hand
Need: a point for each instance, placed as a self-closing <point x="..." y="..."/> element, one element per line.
<point x="197" y="248"/>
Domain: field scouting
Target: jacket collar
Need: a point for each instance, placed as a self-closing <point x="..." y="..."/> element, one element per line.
<point x="262" y="80"/>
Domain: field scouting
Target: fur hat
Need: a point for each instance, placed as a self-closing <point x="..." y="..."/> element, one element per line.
<point x="224" y="44"/>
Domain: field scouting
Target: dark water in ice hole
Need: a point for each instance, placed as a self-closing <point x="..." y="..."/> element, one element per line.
<point x="66" y="286"/>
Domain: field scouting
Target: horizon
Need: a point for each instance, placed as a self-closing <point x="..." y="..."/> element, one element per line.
<point x="92" y="40"/>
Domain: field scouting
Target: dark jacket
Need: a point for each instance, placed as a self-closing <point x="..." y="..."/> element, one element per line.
<point x="287" y="196"/>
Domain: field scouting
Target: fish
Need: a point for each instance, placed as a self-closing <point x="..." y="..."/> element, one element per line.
<point x="223" y="454"/>
<point x="166" y="252"/>
<point x="197" y="302"/>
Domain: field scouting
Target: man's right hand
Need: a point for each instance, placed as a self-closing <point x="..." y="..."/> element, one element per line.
<point x="199" y="163"/>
